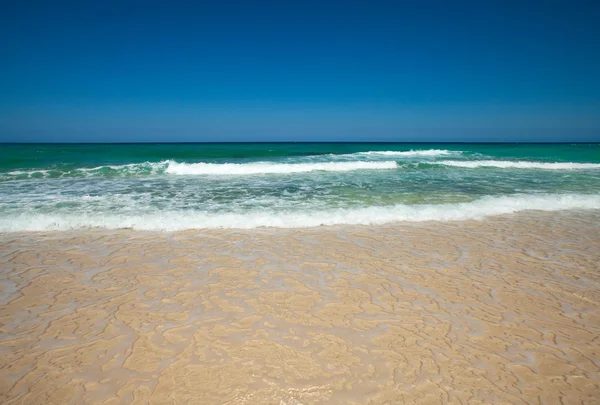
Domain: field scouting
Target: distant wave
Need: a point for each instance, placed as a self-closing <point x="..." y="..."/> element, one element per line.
<point x="132" y="169"/>
<point x="507" y="164"/>
<point x="171" y="167"/>
<point x="175" y="168"/>
<point x="180" y="220"/>
<point x="272" y="168"/>
<point x="409" y="153"/>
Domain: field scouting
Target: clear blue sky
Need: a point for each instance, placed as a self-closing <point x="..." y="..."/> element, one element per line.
<point x="300" y="71"/>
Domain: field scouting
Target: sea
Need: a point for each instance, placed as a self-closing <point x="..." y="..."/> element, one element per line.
<point x="169" y="187"/>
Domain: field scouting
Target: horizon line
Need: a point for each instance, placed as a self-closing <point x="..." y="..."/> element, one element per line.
<point x="302" y="142"/>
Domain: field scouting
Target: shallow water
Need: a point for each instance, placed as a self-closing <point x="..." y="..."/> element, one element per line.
<point x="197" y="186"/>
<point x="505" y="310"/>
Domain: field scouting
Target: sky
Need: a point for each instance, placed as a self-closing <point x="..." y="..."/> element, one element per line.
<point x="159" y="71"/>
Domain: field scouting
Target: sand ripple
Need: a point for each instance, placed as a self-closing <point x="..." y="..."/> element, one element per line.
<point x="504" y="311"/>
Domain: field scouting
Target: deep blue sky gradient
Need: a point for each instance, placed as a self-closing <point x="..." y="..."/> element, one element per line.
<point x="308" y="70"/>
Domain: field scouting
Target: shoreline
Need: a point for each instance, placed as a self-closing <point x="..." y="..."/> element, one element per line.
<point x="577" y="214"/>
<point x="480" y="209"/>
<point x="502" y="310"/>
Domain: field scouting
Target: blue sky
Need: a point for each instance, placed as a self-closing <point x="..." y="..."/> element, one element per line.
<point x="293" y="71"/>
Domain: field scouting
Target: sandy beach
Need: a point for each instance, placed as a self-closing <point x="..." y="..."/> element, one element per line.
<point x="500" y="311"/>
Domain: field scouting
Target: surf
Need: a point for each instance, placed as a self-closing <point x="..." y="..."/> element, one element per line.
<point x="177" y="220"/>
<point x="225" y="169"/>
<point x="508" y="164"/>
<point x="410" y="153"/>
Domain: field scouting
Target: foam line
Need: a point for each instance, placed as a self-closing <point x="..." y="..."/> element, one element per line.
<point x="272" y="168"/>
<point x="507" y="164"/>
<point x="180" y="220"/>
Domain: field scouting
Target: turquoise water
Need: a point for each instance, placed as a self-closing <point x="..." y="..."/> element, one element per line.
<point x="183" y="186"/>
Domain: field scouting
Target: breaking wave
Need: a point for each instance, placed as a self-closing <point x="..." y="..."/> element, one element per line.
<point x="508" y="164"/>
<point x="272" y="168"/>
<point x="181" y="220"/>
<point x="175" y="168"/>
<point x="410" y="153"/>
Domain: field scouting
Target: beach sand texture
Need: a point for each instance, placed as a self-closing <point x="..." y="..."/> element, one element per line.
<point x="501" y="311"/>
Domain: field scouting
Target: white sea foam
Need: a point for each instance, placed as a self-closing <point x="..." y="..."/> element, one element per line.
<point x="410" y="153"/>
<point x="122" y="170"/>
<point x="27" y="172"/>
<point x="507" y="164"/>
<point x="175" y="168"/>
<point x="272" y="168"/>
<point x="152" y="167"/>
<point x="180" y="220"/>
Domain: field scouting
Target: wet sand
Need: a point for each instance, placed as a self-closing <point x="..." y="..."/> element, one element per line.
<point x="501" y="311"/>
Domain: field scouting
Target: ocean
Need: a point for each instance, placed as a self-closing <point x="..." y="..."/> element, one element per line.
<point x="247" y="185"/>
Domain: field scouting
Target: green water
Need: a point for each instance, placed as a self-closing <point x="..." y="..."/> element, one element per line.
<point x="29" y="156"/>
<point x="181" y="186"/>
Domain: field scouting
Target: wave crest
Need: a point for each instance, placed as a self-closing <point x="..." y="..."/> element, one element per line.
<point x="409" y="153"/>
<point x="508" y="164"/>
<point x="131" y="169"/>
<point x="272" y="168"/>
<point x="176" y="168"/>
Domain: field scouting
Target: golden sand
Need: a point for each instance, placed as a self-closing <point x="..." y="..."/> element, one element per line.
<point x="503" y="311"/>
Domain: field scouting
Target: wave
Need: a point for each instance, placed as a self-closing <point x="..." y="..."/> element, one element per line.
<point x="409" y="153"/>
<point x="272" y="168"/>
<point x="171" y="167"/>
<point x="175" y="168"/>
<point x="508" y="164"/>
<point x="132" y="169"/>
<point x="181" y="220"/>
